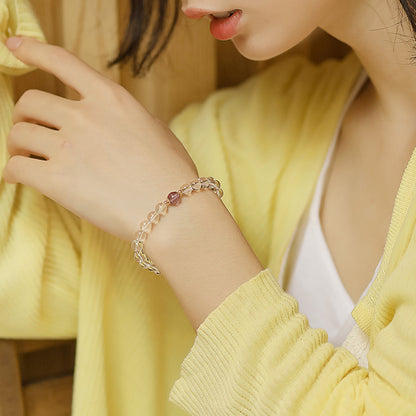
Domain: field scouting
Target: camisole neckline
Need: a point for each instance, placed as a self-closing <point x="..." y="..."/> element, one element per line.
<point x="342" y="324"/>
<point x="315" y="206"/>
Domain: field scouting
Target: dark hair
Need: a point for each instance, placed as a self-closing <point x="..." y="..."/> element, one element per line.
<point x="150" y="27"/>
<point x="409" y="6"/>
<point x="143" y="43"/>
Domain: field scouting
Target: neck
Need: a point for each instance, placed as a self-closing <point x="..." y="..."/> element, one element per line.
<point x="381" y="36"/>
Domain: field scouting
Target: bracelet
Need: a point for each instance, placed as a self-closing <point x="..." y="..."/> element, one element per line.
<point x="161" y="209"/>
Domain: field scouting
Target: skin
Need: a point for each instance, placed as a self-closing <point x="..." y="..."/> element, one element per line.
<point x="93" y="135"/>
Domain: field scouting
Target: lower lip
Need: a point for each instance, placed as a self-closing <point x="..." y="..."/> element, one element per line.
<point x="224" y="29"/>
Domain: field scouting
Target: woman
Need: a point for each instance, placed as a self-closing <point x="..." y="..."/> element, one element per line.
<point x="254" y="353"/>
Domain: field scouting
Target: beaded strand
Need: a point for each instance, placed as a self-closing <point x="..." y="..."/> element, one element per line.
<point x="161" y="209"/>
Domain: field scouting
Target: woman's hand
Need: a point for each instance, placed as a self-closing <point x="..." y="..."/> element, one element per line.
<point x="110" y="162"/>
<point x="107" y="159"/>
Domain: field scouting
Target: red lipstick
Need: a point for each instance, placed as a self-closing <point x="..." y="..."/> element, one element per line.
<point x="221" y="28"/>
<point x="227" y="27"/>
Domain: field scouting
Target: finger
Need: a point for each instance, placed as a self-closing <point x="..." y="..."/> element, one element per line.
<point x="21" y="169"/>
<point x="57" y="61"/>
<point x="42" y="107"/>
<point x="27" y="139"/>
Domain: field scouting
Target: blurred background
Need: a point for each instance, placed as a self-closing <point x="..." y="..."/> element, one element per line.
<point x="36" y="375"/>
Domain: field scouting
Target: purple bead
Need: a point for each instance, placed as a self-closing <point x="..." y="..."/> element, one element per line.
<point x="174" y="198"/>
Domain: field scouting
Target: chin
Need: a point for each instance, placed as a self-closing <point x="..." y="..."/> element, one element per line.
<point x="258" y="49"/>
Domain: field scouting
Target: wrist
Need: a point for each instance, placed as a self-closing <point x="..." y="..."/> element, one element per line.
<point x="202" y="254"/>
<point x="181" y="222"/>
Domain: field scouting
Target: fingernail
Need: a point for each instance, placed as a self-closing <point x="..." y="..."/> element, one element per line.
<point x="14" y="42"/>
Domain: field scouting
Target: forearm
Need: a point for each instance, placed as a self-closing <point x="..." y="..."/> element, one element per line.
<point x="200" y="250"/>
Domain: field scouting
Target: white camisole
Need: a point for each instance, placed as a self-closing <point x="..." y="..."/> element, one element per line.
<point x="309" y="272"/>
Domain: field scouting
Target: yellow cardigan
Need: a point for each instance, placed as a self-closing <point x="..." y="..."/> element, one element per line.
<point x="265" y="140"/>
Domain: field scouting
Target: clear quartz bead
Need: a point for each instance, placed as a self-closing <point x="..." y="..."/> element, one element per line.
<point x="186" y="190"/>
<point x="161" y="209"/>
<point x="146" y="226"/>
<point x="204" y="182"/>
<point x="153" y="217"/>
<point x="140" y="246"/>
<point x="196" y="186"/>
<point x="136" y="245"/>
<point x="141" y="236"/>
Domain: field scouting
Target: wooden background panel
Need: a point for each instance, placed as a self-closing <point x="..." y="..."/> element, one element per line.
<point x="11" y="400"/>
<point x="49" y="13"/>
<point x="90" y="30"/>
<point x="185" y="72"/>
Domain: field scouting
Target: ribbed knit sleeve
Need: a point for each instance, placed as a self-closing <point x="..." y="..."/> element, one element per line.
<point x="39" y="241"/>
<point x="256" y="355"/>
<point x="16" y="19"/>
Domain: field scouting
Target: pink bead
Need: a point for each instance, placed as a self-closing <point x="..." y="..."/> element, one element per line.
<point x="174" y="198"/>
